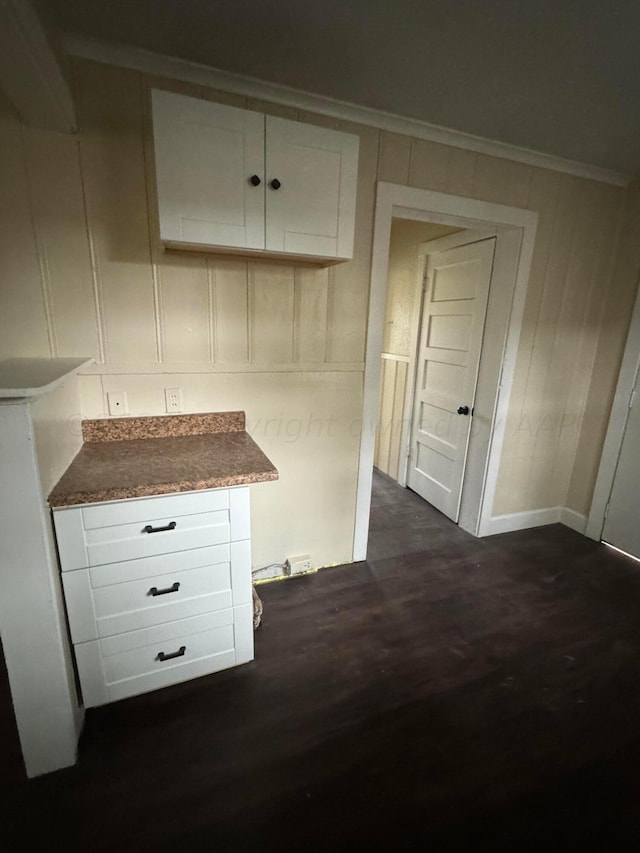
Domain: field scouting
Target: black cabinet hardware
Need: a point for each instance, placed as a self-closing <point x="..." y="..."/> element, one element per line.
<point x="463" y="410"/>
<point x="275" y="184"/>
<point x="162" y="656"/>
<point x="255" y="181"/>
<point x="155" y="591"/>
<point x="149" y="529"/>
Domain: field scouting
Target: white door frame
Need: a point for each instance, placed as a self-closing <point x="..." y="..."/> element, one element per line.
<point x="616" y="428"/>
<point x="440" y="244"/>
<point x="516" y="229"/>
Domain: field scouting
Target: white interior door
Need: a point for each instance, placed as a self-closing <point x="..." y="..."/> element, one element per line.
<point x="206" y="155"/>
<point x="622" y="524"/>
<point x="453" y="312"/>
<point x="311" y="189"/>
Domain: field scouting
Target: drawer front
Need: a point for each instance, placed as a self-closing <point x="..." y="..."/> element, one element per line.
<point x="177" y="652"/>
<point x="113" y="531"/>
<point x="139" y="661"/>
<point x="156" y="536"/>
<point x="146" y="509"/>
<point x="164" y="598"/>
<point x="117" y="597"/>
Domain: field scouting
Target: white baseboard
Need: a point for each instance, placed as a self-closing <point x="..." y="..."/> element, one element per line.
<point x="574" y="520"/>
<point x="521" y="520"/>
<point x="535" y="518"/>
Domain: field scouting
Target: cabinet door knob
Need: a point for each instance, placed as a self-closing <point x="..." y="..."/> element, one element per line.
<point x="463" y="410"/>
<point x="255" y="181"/>
<point x="275" y="184"/>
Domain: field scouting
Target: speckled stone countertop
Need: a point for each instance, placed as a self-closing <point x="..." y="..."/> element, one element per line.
<point x="125" y="458"/>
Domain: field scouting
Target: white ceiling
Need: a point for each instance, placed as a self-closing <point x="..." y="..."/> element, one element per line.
<point x="557" y="76"/>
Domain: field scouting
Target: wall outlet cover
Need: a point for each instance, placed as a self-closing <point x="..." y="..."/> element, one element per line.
<point x="173" y="399"/>
<point x="298" y="564"/>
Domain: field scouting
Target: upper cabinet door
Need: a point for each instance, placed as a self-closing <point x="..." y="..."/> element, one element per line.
<point x="311" y="177"/>
<point x="206" y="156"/>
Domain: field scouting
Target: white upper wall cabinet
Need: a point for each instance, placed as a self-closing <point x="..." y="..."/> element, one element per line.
<point x="234" y="180"/>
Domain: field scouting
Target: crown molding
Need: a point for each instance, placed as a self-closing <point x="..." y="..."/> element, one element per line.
<point x="148" y="62"/>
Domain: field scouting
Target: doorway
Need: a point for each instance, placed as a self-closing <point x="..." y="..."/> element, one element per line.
<point x="514" y="230"/>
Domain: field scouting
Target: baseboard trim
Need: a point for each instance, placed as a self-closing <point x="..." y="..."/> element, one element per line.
<point x="535" y="518"/>
<point x="575" y="520"/>
<point x="522" y="520"/>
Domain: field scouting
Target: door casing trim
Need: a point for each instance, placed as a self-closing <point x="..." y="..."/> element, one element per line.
<point x="616" y="427"/>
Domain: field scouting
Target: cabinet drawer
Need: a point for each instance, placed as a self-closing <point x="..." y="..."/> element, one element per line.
<point x="130" y="530"/>
<point x="156" y="536"/>
<point x="119" y="597"/>
<point x="130" y="606"/>
<point x="141" y="652"/>
<point x="139" y="661"/>
<point x="124" y="607"/>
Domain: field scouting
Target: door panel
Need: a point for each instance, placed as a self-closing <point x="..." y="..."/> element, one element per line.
<point x="312" y="211"/>
<point x="622" y="525"/>
<point x="452" y="324"/>
<point x="205" y="155"/>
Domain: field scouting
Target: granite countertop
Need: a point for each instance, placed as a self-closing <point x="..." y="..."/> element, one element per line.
<point x="125" y="458"/>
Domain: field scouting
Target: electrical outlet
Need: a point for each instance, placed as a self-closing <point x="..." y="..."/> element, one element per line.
<point x="173" y="399"/>
<point x="117" y="401"/>
<point x="299" y="564"/>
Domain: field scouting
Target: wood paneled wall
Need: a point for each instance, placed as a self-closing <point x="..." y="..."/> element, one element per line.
<point x="83" y="274"/>
<point x="393" y="386"/>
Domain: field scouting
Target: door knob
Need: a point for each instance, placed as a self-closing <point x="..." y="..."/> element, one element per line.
<point x="275" y="184"/>
<point x="255" y="181"/>
<point x="463" y="410"/>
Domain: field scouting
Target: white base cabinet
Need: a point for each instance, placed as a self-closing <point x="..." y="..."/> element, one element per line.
<point x="158" y="590"/>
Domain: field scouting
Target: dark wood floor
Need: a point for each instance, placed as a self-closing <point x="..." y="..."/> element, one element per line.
<point x="459" y="693"/>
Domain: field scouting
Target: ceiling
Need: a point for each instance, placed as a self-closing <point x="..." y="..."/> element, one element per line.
<point x="557" y="76"/>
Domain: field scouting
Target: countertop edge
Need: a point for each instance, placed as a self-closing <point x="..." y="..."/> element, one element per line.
<point x="157" y="489"/>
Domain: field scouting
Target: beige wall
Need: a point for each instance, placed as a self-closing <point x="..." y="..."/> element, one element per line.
<point x="83" y="274"/>
<point x="612" y="327"/>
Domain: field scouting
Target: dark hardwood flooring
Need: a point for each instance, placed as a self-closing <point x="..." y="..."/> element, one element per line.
<point x="450" y="693"/>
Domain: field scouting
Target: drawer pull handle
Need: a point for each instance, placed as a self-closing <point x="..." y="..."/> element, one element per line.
<point x="162" y="656"/>
<point x="173" y="588"/>
<point x="149" y="529"/>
